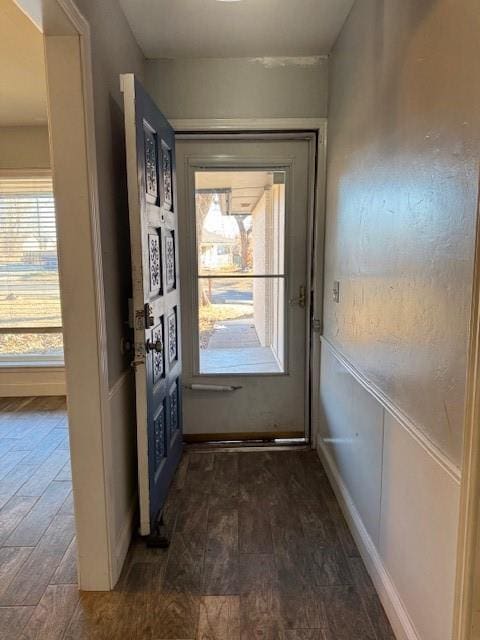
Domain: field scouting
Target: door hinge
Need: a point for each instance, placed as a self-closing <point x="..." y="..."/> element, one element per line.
<point x="316" y="325"/>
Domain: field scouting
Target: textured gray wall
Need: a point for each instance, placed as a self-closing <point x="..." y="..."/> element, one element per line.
<point x="239" y="87"/>
<point x="114" y="51"/>
<point x="404" y="133"/>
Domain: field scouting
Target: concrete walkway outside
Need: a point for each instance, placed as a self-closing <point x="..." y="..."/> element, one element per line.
<point x="234" y="347"/>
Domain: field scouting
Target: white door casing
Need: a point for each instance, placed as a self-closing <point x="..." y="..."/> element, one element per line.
<point x="266" y="403"/>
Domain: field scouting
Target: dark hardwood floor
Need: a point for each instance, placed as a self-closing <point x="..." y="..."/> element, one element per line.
<point x="259" y="549"/>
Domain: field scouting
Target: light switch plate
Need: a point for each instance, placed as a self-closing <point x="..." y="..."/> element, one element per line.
<point x="336" y="291"/>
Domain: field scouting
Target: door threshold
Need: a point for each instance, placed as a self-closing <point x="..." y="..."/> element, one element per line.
<point x="277" y="444"/>
<point x="269" y="437"/>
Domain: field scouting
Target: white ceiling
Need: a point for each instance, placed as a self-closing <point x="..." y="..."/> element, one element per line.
<point x="23" y="99"/>
<point x="249" y="28"/>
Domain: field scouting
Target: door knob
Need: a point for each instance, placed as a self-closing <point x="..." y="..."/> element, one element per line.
<point x="301" y="300"/>
<point x="154" y="346"/>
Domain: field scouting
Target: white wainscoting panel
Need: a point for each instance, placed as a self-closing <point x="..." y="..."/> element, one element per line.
<point x="352" y="432"/>
<point x="123" y="481"/>
<point x="399" y="497"/>
<point x="418" y="532"/>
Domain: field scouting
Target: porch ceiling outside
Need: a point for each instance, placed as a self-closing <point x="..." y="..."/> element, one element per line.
<point x="245" y="188"/>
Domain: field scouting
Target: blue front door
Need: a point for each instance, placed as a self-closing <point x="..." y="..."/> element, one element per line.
<point x="150" y="146"/>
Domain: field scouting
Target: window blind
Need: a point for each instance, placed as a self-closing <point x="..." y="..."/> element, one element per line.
<point x="29" y="284"/>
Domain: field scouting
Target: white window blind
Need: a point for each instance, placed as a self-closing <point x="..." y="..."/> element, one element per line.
<point x="30" y="318"/>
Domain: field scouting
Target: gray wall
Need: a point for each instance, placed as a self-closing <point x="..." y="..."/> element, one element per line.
<point x="24" y="148"/>
<point x="404" y="133"/>
<point x="114" y="51"/>
<point x="239" y="87"/>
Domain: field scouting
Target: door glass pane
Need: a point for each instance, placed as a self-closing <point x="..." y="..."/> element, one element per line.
<point x="241" y="325"/>
<point x="240" y="222"/>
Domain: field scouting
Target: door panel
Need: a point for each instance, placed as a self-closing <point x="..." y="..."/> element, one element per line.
<point x="245" y="268"/>
<point x="153" y="228"/>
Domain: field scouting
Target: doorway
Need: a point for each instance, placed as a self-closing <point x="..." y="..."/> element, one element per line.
<point x="37" y="525"/>
<point x="103" y="521"/>
<point x="245" y="265"/>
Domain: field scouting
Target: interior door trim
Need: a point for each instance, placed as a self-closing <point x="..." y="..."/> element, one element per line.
<point x="70" y="91"/>
<point x="287" y="128"/>
<point x="267" y="125"/>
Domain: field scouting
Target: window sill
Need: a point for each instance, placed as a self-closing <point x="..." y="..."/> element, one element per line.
<point x="32" y="364"/>
<point x="32" y="379"/>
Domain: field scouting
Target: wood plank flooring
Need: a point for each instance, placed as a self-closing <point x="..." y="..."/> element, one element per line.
<point x="259" y="549"/>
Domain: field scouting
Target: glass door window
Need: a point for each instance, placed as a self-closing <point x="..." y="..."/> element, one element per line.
<point x="240" y="246"/>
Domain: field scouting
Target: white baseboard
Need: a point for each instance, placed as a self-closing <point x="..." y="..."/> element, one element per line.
<point x="32" y="381"/>
<point x="391" y="601"/>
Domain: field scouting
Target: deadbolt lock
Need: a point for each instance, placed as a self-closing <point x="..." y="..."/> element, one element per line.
<point x="154" y="346"/>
